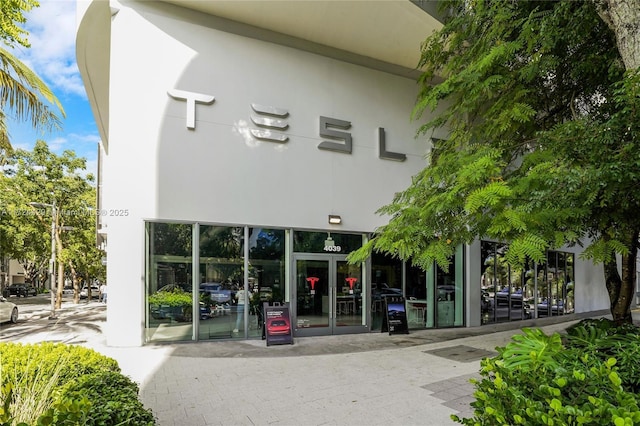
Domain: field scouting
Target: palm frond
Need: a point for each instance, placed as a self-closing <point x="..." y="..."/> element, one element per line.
<point x="23" y="92"/>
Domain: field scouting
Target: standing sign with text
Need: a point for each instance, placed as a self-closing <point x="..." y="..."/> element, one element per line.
<point x="395" y="319"/>
<point x="277" y="323"/>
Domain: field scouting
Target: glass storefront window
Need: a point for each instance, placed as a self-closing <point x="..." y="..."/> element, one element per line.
<point x="221" y="282"/>
<point x="570" y="301"/>
<point x="267" y="273"/>
<point x="169" y="288"/>
<point x="434" y="298"/>
<point x="416" y="290"/>
<point x="446" y="296"/>
<point x="386" y="280"/>
<point x="528" y="283"/>
<point x="227" y="302"/>
<point x="516" y="293"/>
<point x="449" y="294"/>
<point x="489" y="281"/>
<point x="556" y="295"/>
<point x="212" y="291"/>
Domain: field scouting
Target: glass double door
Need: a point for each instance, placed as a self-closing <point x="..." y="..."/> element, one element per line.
<point x="329" y="296"/>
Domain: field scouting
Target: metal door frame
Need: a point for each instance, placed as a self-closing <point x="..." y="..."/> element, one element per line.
<point x="332" y="328"/>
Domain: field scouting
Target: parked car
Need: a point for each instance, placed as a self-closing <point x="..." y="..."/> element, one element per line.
<point x="8" y="311"/>
<point x="95" y="292"/>
<point x="380" y="291"/>
<point x="22" y="289"/>
<point x="504" y="296"/>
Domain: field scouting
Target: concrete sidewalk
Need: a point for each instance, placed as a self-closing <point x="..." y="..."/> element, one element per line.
<point x="367" y="379"/>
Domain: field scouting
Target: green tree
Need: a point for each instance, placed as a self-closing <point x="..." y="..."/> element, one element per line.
<point x="81" y="253"/>
<point x="540" y="100"/>
<point x="22" y="92"/>
<point x="12" y="13"/>
<point x="41" y="176"/>
<point x="21" y="234"/>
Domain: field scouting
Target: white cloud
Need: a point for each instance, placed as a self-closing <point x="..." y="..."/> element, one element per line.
<point x="84" y="145"/>
<point x="88" y="138"/>
<point x="57" y="144"/>
<point x="52" y="31"/>
<point x="23" y="146"/>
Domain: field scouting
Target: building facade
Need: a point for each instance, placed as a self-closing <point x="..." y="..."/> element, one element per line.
<point x="246" y="148"/>
<point x="11" y="272"/>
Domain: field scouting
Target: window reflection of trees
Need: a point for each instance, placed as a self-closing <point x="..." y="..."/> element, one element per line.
<point x="169" y="281"/>
<point x="170" y="247"/>
<point x="266" y="265"/>
<point x="508" y="293"/>
<point x="171" y="239"/>
<point x="221" y="255"/>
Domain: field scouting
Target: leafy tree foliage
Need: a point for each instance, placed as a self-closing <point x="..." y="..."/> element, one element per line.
<point x="12" y="12"/>
<point x="542" y="147"/>
<point x="41" y="176"/>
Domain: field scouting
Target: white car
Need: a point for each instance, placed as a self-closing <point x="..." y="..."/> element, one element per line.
<point x="8" y="311"/>
<point x="95" y="292"/>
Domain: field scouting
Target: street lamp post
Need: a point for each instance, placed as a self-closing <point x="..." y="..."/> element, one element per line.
<point x="52" y="261"/>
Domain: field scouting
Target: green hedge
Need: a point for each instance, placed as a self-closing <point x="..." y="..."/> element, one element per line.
<point x="587" y="377"/>
<point x="113" y="396"/>
<point x="172" y="298"/>
<point x="58" y="384"/>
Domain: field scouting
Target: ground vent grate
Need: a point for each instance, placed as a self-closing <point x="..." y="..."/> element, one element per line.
<point x="461" y="353"/>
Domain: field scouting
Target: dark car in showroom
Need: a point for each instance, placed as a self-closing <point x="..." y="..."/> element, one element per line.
<point x="21" y="290"/>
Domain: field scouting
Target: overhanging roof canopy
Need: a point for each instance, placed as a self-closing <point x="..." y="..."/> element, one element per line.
<point x="382" y="34"/>
<point x="386" y="30"/>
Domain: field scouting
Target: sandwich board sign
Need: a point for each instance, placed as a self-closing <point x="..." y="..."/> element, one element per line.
<point x="394" y="319"/>
<point x="277" y="325"/>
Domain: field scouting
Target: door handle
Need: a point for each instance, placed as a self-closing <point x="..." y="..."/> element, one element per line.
<point x="332" y="302"/>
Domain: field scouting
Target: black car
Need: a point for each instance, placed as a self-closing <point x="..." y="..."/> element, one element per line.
<point x="23" y="290"/>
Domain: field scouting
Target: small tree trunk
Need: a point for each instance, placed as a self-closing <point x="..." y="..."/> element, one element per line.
<point x="621" y="289"/>
<point x="74" y="282"/>
<point x="60" y="277"/>
<point x="76" y="291"/>
<point x="623" y="16"/>
<point x="59" y="285"/>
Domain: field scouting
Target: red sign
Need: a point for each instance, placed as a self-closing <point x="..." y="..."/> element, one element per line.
<point x="313" y="281"/>
<point x="351" y="281"/>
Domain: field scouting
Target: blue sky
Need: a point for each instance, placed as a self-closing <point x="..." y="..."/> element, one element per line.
<point x="52" y="33"/>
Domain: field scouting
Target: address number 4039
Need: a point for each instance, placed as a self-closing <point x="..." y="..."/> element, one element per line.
<point x="332" y="248"/>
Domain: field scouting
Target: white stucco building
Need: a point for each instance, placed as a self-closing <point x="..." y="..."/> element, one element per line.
<point x="233" y="131"/>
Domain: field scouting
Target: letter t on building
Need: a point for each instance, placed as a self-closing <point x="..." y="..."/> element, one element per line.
<point x="192" y="99"/>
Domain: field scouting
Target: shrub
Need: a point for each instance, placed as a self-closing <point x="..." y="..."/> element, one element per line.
<point x="536" y="380"/>
<point x="29" y="395"/>
<point x="30" y="360"/>
<point x="604" y="340"/>
<point x="172" y="298"/>
<point x="52" y="384"/>
<point x="174" y="303"/>
<point x="114" y="399"/>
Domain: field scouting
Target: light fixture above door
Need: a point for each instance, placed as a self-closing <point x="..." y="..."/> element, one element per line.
<point x="335" y="219"/>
